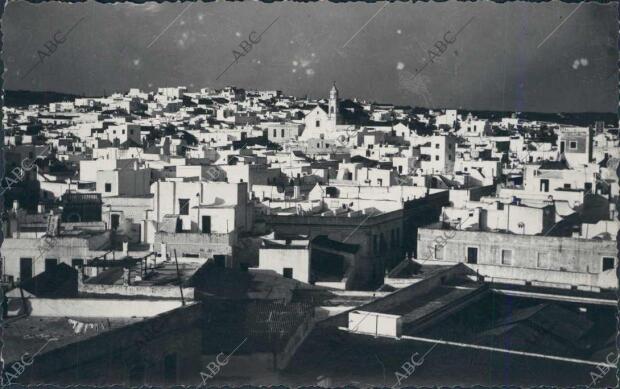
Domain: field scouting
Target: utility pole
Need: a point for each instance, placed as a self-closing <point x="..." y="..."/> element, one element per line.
<point x="179" y="277"/>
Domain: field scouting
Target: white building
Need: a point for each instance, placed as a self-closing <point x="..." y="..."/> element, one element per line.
<point x="474" y="127"/>
<point x="207" y="207"/>
<point x="123" y="182"/>
<point x="576" y="145"/>
<point x="321" y="121"/>
<point x="122" y="133"/>
<point x="291" y="259"/>
<point x="438" y="154"/>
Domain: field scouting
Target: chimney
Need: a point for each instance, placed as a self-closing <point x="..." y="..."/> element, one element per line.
<point x="40" y="208"/>
<point x="125" y="248"/>
<point x="80" y="280"/>
<point x="15" y="205"/>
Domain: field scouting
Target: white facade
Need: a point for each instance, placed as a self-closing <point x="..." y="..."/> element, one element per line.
<point x="576" y="145"/>
<point x="123" y="182"/>
<point x="438" y="154"/>
<point x="474" y="127"/>
<point x="291" y="261"/>
<point x="222" y="205"/>
<point x="123" y="133"/>
<point x="319" y="123"/>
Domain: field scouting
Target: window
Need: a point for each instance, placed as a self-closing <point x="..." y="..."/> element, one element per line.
<point x="566" y="186"/>
<point x="437" y="145"/>
<point x="287" y="272"/>
<point x="184" y="206"/>
<point x="275" y="132"/>
<point x="507" y="257"/>
<point x="572" y="145"/>
<point x="25" y="269"/>
<point x="50" y="263"/>
<point x="282" y="133"/>
<point x="108" y="187"/>
<point x="472" y="255"/>
<point x="437" y="158"/>
<point x="439" y="252"/>
<point x="608" y="263"/>
<point x="318" y="123"/>
<point x="540" y="260"/>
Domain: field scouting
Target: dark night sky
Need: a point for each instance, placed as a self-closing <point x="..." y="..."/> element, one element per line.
<point x="495" y="62"/>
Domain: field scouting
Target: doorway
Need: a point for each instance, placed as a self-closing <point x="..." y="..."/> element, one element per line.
<point x="115" y="221"/>
<point x="25" y="269"/>
<point x="206" y="224"/>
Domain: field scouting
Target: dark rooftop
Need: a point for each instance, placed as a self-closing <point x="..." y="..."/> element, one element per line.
<point x="59" y="281"/>
<point x="553" y="165"/>
<point x="324" y="241"/>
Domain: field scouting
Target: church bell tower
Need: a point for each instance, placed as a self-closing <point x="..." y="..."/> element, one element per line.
<point x="333" y="106"/>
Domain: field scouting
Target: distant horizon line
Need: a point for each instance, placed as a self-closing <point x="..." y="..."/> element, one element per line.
<point x="347" y="98"/>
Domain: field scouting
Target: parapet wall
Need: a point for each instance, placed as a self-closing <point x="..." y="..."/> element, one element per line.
<point x="117" y="308"/>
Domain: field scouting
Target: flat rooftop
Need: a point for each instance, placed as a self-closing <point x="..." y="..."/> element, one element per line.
<point x="164" y="273"/>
